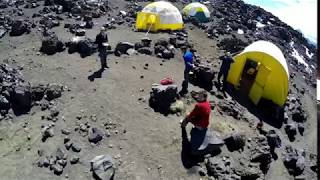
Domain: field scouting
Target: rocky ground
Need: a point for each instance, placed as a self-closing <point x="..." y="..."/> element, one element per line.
<point x="61" y="118"/>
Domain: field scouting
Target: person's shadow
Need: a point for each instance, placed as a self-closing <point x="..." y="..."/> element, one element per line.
<point x="187" y="159"/>
<point x="96" y="74"/>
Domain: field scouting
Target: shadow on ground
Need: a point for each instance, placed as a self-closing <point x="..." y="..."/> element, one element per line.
<point x="188" y="160"/>
<point x="96" y="74"/>
<point x="264" y="111"/>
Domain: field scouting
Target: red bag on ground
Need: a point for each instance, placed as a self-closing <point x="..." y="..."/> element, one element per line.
<point x="166" y="81"/>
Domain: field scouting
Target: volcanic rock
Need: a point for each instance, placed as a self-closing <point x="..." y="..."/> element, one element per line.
<point x="102" y="167"/>
<point x="74" y="159"/>
<point x="4" y="103"/>
<point x="216" y="167"/>
<point x="60" y="154"/>
<point x="250" y="171"/>
<point x="145" y="50"/>
<point x="231" y="108"/>
<point x="232" y="45"/>
<point x="235" y="141"/>
<point x="18" y="28"/>
<point x="122" y="48"/>
<point x="46" y="133"/>
<point x="2" y="32"/>
<point x="54" y="91"/>
<point x="86" y="47"/>
<point x="162" y="96"/>
<point x="260" y="152"/>
<point x="38" y="92"/>
<point x="62" y="162"/>
<point x="22" y="97"/>
<point x="291" y="130"/>
<point x="57" y="169"/>
<point x="274" y="140"/>
<point x="294" y="161"/>
<point x="203" y="75"/>
<point x="51" y="45"/>
<point x="95" y="135"/>
<point x="163" y="50"/>
<point x="68" y="145"/>
<point x="75" y="148"/>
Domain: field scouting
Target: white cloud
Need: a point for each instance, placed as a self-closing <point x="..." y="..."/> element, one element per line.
<point x="300" y="14"/>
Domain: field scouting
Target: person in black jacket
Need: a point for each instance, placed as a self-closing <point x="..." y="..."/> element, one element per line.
<point x="224" y="68"/>
<point x="102" y="41"/>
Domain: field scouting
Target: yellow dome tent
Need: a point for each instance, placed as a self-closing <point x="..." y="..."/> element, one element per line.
<point x="159" y="15"/>
<point x="198" y="11"/>
<point x="261" y="71"/>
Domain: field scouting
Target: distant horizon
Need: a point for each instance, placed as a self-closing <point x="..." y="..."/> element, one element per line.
<point x="301" y="15"/>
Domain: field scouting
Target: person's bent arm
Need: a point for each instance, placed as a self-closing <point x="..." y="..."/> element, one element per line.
<point x="107" y="40"/>
<point x="190" y="116"/>
<point x="97" y="39"/>
<point x="189" y="64"/>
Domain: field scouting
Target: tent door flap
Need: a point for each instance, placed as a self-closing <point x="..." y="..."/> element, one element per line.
<point x="257" y="88"/>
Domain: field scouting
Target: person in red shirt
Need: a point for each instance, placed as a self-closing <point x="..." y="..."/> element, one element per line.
<point x="199" y="117"/>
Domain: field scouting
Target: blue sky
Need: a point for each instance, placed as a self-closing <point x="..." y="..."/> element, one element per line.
<point x="299" y="14"/>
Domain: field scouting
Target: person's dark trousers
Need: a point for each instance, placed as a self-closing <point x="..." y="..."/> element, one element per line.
<point x="223" y="72"/>
<point x="103" y="58"/>
<point x="224" y="87"/>
<point x="219" y="76"/>
<point x="185" y="140"/>
<point x="185" y="81"/>
<point x="225" y="75"/>
<point x="187" y="159"/>
<point x="197" y="138"/>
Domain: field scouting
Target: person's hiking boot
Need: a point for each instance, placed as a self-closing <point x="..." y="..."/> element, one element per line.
<point x="105" y="66"/>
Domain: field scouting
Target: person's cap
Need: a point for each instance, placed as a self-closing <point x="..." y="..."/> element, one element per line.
<point x="102" y="28"/>
<point x="228" y="53"/>
<point x="105" y="44"/>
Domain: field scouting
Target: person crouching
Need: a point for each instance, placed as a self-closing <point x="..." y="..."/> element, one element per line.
<point x="199" y="117"/>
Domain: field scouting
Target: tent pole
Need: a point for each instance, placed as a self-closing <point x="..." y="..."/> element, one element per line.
<point x="148" y="30"/>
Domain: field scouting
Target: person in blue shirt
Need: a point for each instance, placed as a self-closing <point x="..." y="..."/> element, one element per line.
<point x="224" y="69"/>
<point x="188" y="61"/>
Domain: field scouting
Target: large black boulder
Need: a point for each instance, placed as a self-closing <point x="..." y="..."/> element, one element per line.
<point x="22" y="97"/>
<point x="235" y="141"/>
<point x="162" y="96"/>
<point x="51" y="44"/>
<point x="85" y="48"/>
<point x="38" y="92"/>
<point x="122" y="48"/>
<point x="18" y="28"/>
<point x="53" y="91"/>
<point x="203" y="76"/>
